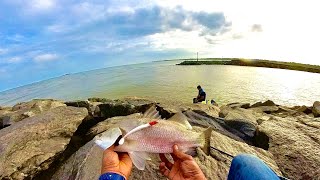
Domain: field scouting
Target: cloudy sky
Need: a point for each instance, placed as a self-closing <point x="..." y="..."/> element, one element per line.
<point x="40" y="39"/>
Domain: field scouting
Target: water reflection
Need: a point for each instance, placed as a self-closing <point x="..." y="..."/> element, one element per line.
<point x="166" y="81"/>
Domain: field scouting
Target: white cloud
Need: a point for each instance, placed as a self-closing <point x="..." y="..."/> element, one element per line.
<point x="16" y="59"/>
<point x="3" y="51"/>
<point x="42" y="4"/>
<point x="57" y="28"/>
<point x="45" y="57"/>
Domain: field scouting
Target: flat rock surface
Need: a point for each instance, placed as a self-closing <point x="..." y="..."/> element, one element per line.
<point x="24" y="110"/>
<point x="86" y="164"/>
<point x="30" y="146"/>
<point x="232" y="147"/>
<point x="295" y="145"/>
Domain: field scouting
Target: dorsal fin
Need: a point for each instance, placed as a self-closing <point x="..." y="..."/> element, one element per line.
<point x="182" y="119"/>
<point x="152" y="113"/>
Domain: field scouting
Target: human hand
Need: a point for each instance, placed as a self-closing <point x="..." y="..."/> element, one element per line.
<point x="114" y="162"/>
<point x="184" y="167"/>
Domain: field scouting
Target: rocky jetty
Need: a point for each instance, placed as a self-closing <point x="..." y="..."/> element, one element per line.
<point x="50" y="139"/>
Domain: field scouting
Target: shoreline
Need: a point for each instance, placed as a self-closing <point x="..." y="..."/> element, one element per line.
<point x="66" y="131"/>
<point x="254" y="63"/>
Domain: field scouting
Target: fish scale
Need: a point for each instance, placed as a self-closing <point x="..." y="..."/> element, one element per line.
<point x="145" y="135"/>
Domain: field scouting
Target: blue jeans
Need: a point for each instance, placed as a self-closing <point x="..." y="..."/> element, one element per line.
<point x="249" y="167"/>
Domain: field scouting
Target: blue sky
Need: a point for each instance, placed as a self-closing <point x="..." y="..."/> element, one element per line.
<point x="40" y="39"/>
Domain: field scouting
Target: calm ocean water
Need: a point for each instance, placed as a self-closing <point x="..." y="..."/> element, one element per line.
<point x="164" y="81"/>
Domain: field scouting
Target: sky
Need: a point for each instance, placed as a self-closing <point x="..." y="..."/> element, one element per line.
<point x="41" y="39"/>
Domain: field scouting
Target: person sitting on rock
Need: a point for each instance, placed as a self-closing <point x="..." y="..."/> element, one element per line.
<point x="118" y="166"/>
<point x="201" y="95"/>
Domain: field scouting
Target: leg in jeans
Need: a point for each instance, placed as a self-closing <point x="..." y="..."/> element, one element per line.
<point x="249" y="167"/>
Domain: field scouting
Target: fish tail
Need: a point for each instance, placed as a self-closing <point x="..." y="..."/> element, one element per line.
<point x="206" y="140"/>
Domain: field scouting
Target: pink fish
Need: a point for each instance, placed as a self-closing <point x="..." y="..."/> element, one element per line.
<point x="150" y="134"/>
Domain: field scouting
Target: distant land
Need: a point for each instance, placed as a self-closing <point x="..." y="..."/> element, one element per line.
<point x="254" y="63"/>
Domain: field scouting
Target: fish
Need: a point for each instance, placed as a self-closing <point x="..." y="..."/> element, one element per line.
<point x="150" y="134"/>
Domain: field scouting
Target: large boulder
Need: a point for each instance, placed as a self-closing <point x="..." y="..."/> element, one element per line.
<point x="222" y="147"/>
<point x="104" y="108"/>
<point x="86" y="164"/>
<point x="266" y="109"/>
<point x="169" y="109"/>
<point x="294" y="142"/>
<point x="29" y="147"/>
<point x="316" y="109"/>
<point x="266" y="103"/>
<point x="4" y="118"/>
<point x="245" y="115"/>
<point x="239" y="105"/>
<point x="204" y="109"/>
<point x="24" y="110"/>
<point x="106" y="124"/>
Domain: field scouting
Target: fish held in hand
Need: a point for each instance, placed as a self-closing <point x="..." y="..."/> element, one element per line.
<point x="150" y="134"/>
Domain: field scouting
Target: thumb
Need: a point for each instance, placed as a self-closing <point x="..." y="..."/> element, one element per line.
<point x="179" y="154"/>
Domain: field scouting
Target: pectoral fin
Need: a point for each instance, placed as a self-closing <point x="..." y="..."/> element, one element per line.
<point x="108" y="138"/>
<point x="139" y="159"/>
<point x="182" y="119"/>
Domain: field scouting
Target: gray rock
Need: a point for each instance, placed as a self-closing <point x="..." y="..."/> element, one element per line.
<point x="265" y="109"/>
<point x="86" y="164"/>
<point x="30" y="146"/>
<point x="266" y="103"/>
<point x="239" y="105"/>
<point x="122" y="107"/>
<point x="106" y="124"/>
<point x="78" y="103"/>
<point x="219" y="143"/>
<point x="246" y="115"/>
<point x="5" y="117"/>
<point x="316" y="109"/>
<point x="294" y="142"/>
<point x="28" y="109"/>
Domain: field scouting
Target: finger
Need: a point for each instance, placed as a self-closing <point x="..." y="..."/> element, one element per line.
<point x="179" y="154"/>
<point x="110" y="160"/>
<point x="163" y="169"/>
<point x="125" y="158"/>
<point x="174" y="157"/>
<point x="166" y="161"/>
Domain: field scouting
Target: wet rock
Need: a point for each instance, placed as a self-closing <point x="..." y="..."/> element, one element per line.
<point x="294" y="143"/>
<point x="168" y="110"/>
<point x="304" y="109"/>
<point x="265" y="109"/>
<point x="78" y="104"/>
<point x="292" y="112"/>
<point x="316" y="109"/>
<point x="257" y="104"/>
<point x="266" y="103"/>
<point x="239" y="105"/>
<point x="107" y="108"/>
<point x="30" y="146"/>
